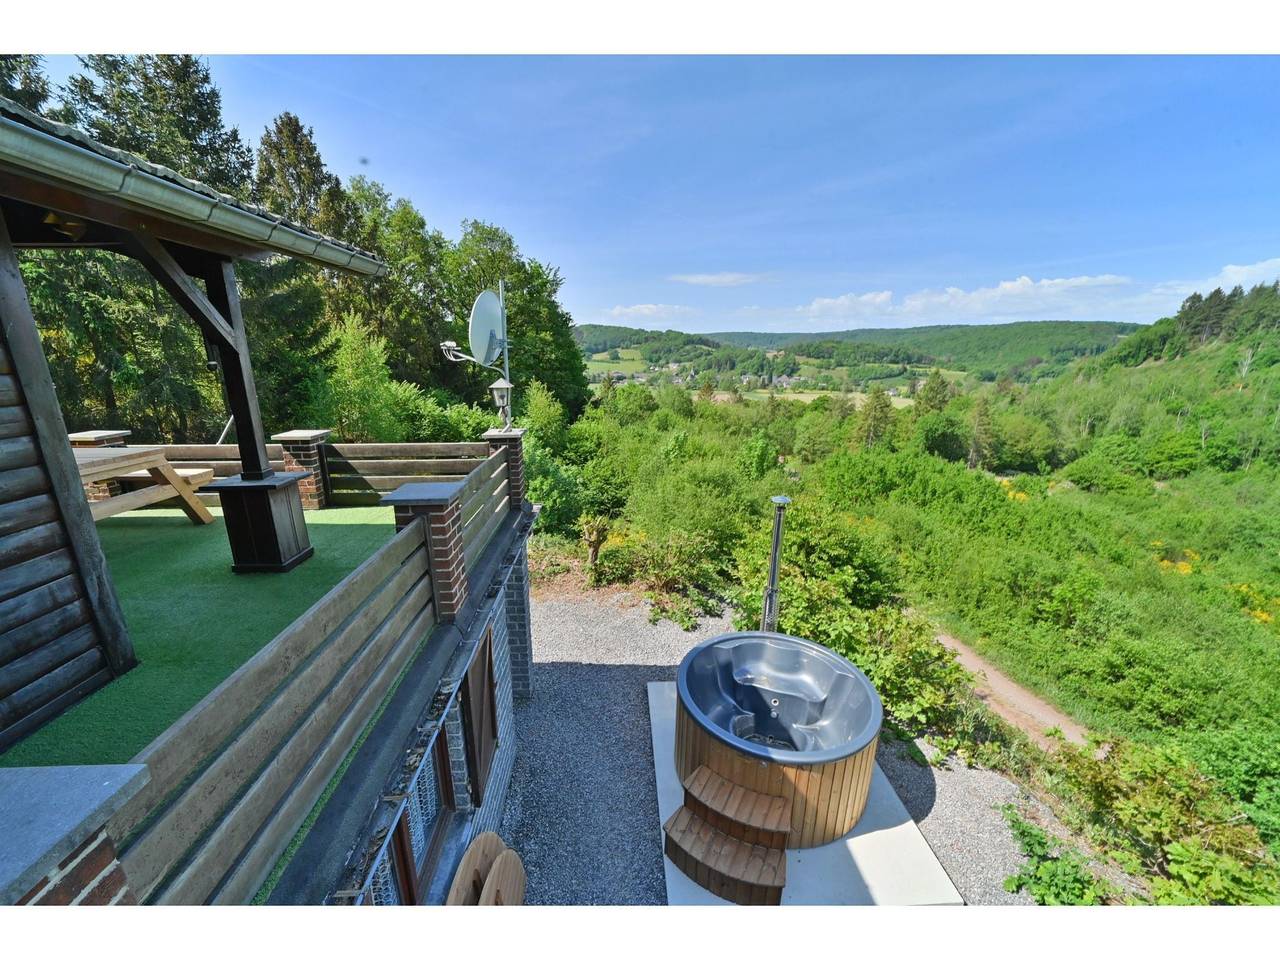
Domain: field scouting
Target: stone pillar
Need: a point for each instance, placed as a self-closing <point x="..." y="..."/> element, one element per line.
<point x="100" y="489"/>
<point x="512" y="441"/>
<point x="304" y="450"/>
<point x="56" y="850"/>
<point x="438" y="506"/>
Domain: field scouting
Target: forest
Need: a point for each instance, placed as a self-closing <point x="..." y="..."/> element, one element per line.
<point x="1092" y="506"/>
<point x="1106" y="537"/>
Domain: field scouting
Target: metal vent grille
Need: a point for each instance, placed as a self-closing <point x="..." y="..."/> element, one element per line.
<point x="423" y="807"/>
<point x="385" y="890"/>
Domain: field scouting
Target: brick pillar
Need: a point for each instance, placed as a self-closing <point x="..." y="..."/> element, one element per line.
<point x="519" y="627"/>
<point x="100" y="489"/>
<point x="304" y="450"/>
<point x="512" y="441"/>
<point x="438" y="506"/>
<point x="89" y="876"/>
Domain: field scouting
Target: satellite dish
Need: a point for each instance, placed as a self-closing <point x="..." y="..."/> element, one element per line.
<point x="487" y="330"/>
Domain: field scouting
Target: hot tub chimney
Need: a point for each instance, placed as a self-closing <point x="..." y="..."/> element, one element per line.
<point x="769" y="611"/>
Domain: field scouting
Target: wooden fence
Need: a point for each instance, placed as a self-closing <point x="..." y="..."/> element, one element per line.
<point x="485" y="502"/>
<point x="222" y="458"/>
<point x="232" y="781"/>
<point x="360" y="473"/>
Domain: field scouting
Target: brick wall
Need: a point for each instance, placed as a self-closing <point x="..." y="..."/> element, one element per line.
<point x="88" y="876"/>
<point x="519" y="626"/>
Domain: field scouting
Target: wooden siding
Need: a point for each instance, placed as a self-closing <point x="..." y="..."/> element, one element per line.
<point x="61" y="632"/>
<point x="827" y="799"/>
<point x="234" y="778"/>
<point x="360" y="473"/>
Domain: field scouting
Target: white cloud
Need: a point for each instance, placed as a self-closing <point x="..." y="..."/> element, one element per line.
<point x="1022" y="298"/>
<point x="725" y="279"/>
<point x="649" y="311"/>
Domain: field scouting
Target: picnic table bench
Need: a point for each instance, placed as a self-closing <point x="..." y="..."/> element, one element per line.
<point x="142" y="464"/>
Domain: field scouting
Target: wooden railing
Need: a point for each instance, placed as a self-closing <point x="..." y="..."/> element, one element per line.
<point x="484" y="504"/>
<point x="359" y="473"/>
<point x="222" y="458"/>
<point x="234" y="778"/>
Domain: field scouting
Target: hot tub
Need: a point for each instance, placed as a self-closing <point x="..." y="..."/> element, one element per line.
<point x="782" y="716"/>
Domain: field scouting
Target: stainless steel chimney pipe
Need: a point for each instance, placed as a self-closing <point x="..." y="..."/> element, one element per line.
<point x="769" y="611"/>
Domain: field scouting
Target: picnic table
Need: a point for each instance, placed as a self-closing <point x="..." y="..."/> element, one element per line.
<point x="146" y="464"/>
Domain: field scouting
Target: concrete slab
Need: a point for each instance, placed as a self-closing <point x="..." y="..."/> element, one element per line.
<point x="884" y="860"/>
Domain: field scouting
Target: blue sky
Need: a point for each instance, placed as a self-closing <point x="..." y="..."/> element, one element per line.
<point x="814" y="193"/>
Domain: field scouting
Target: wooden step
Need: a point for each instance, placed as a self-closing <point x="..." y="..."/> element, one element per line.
<point x="737" y="871"/>
<point x="759" y="818"/>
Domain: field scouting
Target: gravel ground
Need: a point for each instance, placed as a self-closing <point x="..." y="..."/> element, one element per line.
<point x="582" y="809"/>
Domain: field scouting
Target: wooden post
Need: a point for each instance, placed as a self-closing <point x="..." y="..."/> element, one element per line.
<point x="237" y="374"/>
<point x="262" y="508"/>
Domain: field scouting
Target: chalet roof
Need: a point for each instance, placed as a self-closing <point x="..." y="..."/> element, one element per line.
<point x="34" y="145"/>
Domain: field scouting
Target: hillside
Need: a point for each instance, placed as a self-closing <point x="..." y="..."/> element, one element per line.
<point x="994" y="348"/>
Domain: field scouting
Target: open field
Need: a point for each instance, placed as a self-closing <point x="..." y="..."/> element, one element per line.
<point x="808" y="396"/>
<point x="631" y="362"/>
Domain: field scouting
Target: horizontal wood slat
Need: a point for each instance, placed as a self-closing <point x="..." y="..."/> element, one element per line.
<point x="49" y="686"/>
<point x="483" y="533"/>
<point x="401" y="468"/>
<point x="10" y="392"/>
<point x="18" y="452"/>
<point x="181" y="749"/>
<point x="32" y="542"/>
<point x="481" y="494"/>
<point x="403" y="451"/>
<point x="183" y="821"/>
<point x="43" y="714"/>
<point x="353" y="483"/>
<point x="213" y="451"/>
<point x="28" y="512"/>
<point x="25" y="670"/>
<point x="22" y="482"/>
<point x="14" y="422"/>
<point x="31" y="573"/>
<point x="22" y="639"/>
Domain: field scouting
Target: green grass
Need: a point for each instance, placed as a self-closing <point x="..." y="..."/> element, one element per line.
<point x="193" y="622"/>
<point x="631" y="362"/>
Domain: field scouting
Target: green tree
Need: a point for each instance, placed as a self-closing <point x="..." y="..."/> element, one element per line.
<point x="23" y="81"/>
<point x="935" y="393"/>
<point x="875" y="418"/>
<point x="544" y="416"/>
<point x="982" y="435"/>
<point x="542" y="344"/>
<point x="358" y="398"/>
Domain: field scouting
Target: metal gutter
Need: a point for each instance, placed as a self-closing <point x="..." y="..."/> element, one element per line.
<point x="29" y="149"/>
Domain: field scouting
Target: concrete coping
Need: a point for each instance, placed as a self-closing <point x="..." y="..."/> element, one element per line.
<point x="498" y="433"/>
<point x="439" y="493"/>
<point x="302" y="436"/>
<point x="98" y="436"/>
<point x="49" y="811"/>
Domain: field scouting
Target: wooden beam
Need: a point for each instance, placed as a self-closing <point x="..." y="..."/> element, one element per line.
<point x="237" y="373"/>
<point x="32" y="370"/>
<point x="160" y="263"/>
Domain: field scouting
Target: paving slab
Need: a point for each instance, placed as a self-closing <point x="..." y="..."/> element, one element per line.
<point x="884" y="860"/>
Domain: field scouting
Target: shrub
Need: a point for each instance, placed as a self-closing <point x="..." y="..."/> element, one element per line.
<point x="1053" y="875"/>
<point x="358" y="398"/>
<point x="544" y="417"/>
<point x="556" y="487"/>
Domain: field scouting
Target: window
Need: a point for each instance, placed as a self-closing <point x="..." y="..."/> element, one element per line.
<point x="406" y="871"/>
<point x="480" y="716"/>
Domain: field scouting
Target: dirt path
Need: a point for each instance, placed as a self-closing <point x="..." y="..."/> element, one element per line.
<point x="1012" y="702"/>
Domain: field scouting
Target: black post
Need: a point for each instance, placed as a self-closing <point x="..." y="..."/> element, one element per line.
<point x="242" y="394"/>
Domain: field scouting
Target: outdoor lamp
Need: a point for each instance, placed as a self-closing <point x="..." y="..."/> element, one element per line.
<point x="501" y="390"/>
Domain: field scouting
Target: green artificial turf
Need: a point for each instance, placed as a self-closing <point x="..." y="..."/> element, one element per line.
<point x="193" y="622"/>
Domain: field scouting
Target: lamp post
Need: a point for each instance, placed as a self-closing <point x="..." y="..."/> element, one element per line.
<point x="501" y="391"/>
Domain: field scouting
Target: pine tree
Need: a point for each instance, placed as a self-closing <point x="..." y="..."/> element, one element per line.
<point x="983" y="440"/>
<point x="934" y="394"/>
<point x="874" y="418"/>
<point x="22" y="80"/>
